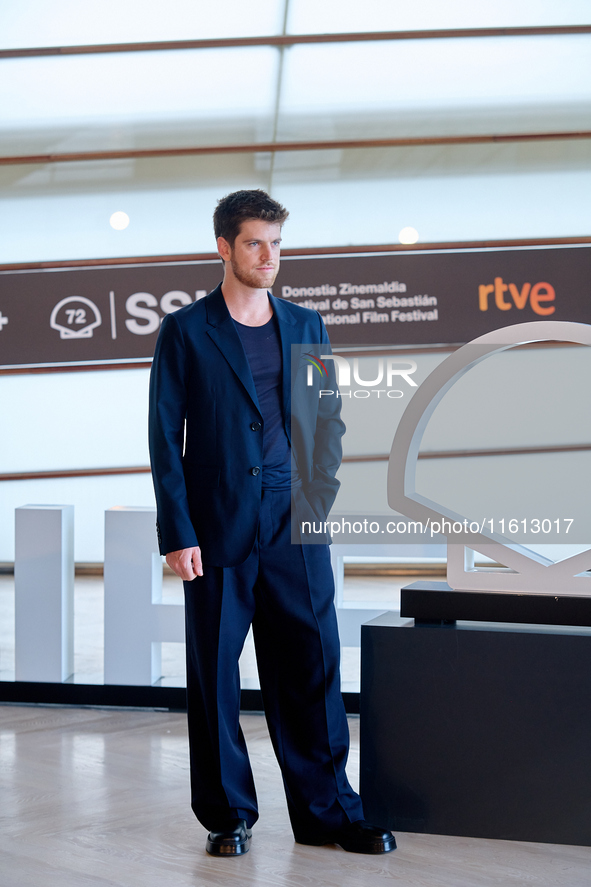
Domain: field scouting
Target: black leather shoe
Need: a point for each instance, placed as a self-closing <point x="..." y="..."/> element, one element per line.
<point x="356" y="837"/>
<point x="234" y="840"/>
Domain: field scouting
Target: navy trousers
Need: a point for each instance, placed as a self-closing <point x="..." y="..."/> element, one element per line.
<point x="287" y="592"/>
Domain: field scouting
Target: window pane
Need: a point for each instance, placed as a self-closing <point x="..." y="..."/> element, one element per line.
<point x="62" y="211"/>
<point x="457" y="193"/>
<point x="127" y="100"/>
<point x="72" y="22"/>
<point x="393" y="89"/>
<point x="334" y="16"/>
<point x="476" y="192"/>
<point x="433" y="87"/>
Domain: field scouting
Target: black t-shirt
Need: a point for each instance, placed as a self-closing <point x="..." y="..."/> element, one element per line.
<point x="262" y="345"/>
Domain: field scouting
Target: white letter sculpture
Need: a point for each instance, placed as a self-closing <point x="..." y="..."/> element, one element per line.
<point x="136" y="620"/>
<point x="527" y="572"/>
<point x="44" y="593"/>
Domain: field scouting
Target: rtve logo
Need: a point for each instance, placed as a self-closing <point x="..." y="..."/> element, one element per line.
<point x="537" y="294"/>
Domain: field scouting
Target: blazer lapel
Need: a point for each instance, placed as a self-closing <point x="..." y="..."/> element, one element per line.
<point x="289" y="333"/>
<point x="225" y="336"/>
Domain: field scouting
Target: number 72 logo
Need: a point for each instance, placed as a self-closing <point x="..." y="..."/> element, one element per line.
<point x="76" y="322"/>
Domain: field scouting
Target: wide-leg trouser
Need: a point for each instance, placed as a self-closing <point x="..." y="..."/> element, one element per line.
<point x="287" y="592"/>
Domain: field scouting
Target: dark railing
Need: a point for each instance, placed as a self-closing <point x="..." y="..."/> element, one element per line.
<point x="377" y="457"/>
<point x="271" y="147"/>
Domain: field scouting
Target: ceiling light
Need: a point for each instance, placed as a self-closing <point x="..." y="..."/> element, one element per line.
<point x="120" y="220"/>
<point x="408" y="235"/>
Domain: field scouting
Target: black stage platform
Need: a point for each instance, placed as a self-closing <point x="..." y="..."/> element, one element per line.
<point x="436" y="602"/>
<point x="477" y="729"/>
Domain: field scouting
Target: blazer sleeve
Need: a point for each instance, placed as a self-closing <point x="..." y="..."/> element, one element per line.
<point x="168" y="407"/>
<point x="328" y="450"/>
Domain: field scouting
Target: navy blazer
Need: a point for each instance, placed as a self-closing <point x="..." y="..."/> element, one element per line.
<point x="205" y="427"/>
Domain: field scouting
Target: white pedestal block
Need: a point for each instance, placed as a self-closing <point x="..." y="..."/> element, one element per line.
<point x="350" y="615"/>
<point x="136" y="620"/>
<point x="44" y="593"/>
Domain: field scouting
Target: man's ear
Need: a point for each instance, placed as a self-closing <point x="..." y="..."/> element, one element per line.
<point x="224" y="249"/>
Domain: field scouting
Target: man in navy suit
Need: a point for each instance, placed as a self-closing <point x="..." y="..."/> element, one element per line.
<point x="239" y="441"/>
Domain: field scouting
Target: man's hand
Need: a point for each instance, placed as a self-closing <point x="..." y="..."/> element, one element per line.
<point x="186" y="563"/>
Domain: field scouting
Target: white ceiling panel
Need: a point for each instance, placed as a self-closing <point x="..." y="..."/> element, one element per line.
<point x="437" y="73"/>
<point x="28" y="23"/>
<point x="334" y="16"/>
<point x="127" y="100"/>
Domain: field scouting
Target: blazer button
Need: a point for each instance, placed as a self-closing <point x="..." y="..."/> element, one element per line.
<point x="255" y="426"/>
<point x="256" y="470"/>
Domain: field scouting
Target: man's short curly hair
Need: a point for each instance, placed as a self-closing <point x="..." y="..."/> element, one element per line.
<point x="240" y="206"/>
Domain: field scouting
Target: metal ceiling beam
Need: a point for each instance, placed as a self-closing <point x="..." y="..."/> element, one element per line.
<point x="271" y="147"/>
<point x="293" y="40"/>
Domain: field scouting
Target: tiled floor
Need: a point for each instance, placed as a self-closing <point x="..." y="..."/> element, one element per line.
<point x="101" y="798"/>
